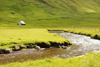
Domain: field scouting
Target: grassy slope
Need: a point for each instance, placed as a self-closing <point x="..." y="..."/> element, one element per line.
<point x="89" y="60"/>
<point x="76" y="5"/>
<point x="49" y="13"/>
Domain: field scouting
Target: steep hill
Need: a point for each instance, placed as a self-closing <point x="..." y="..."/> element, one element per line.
<point x="49" y="13"/>
<point x="75" y="5"/>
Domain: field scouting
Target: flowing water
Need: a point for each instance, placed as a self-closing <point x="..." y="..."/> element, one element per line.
<point x="81" y="45"/>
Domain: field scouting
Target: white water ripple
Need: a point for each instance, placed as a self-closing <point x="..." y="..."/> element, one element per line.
<point x="87" y="43"/>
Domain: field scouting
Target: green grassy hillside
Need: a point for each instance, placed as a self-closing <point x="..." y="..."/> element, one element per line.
<point x="75" y="5"/>
<point x="49" y="13"/>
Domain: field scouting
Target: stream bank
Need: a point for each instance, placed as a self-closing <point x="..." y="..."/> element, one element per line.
<point x="81" y="45"/>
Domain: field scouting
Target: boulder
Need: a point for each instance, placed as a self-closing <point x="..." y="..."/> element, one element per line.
<point x="64" y="47"/>
<point x="30" y="46"/>
<point x="8" y="51"/>
<point x="22" y="46"/>
<point x="42" y="49"/>
<point x="2" y="51"/>
<point x="59" y="46"/>
<point x="16" y="48"/>
<point x="37" y="47"/>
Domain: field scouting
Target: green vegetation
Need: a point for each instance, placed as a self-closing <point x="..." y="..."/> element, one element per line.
<point x="92" y="32"/>
<point x="49" y="13"/>
<point x="75" y="5"/>
<point x="13" y="37"/>
<point x="89" y="60"/>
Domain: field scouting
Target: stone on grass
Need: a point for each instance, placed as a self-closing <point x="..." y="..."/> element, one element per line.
<point x="30" y="46"/>
<point x="8" y="51"/>
<point x="22" y="46"/>
<point x="16" y="48"/>
<point x="37" y="47"/>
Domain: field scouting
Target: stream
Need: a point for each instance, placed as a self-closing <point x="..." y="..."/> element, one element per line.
<point x="81" y="45"/>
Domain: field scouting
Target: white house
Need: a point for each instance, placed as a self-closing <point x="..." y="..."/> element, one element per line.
<point x="21" y="23"/>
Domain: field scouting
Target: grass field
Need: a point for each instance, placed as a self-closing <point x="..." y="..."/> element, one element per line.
<point x="13" y="37"/>
<point x="89" y="60"/>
